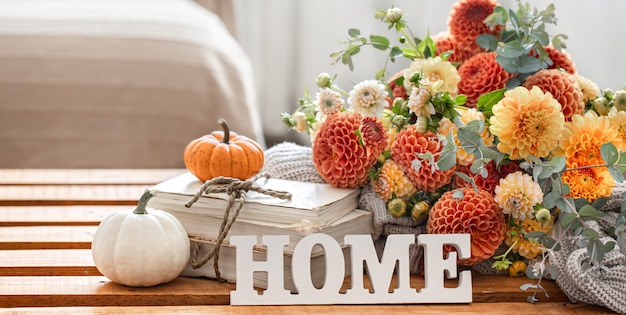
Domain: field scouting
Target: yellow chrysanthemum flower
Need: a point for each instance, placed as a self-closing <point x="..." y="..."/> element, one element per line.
<point x="617" y="119"/>
<point x="588" y="183"/>
<point x="583" y="137"/>
<point x="527" y="122"/>
<point x="527" y="248"/>
<point x="393" y="181"/>
<point x="467" y="115"/>
<point x="433" y="70"/>
<point x="517" y="194"/>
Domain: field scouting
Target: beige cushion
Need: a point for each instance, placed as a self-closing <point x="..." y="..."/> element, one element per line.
<point x="116" y="83"/>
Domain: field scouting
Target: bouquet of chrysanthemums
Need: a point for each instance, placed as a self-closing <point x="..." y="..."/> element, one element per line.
<point x="488" y="130"/>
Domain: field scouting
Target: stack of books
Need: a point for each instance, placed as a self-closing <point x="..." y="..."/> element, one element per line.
<point x="312" y="208"/>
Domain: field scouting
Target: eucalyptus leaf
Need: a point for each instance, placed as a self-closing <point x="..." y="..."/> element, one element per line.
<point x="395" y="52"/>
<point x="354" y="33"/>
<point x="609" y="153"/>
<point x="617" y="175"/>
<point x="589" y="211"/>
<point x="487" y="41"/>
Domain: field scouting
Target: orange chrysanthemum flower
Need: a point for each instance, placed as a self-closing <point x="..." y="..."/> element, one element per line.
<point x="466" y="211"/>
<point x="481" y="74"/>
<point x="465" y="21"/>
<point x="560" y="59"/>
<point x="564" y="88"/>
<point x="393" y="181"/>
<point x="527" y="123"/>
<point x="525" y="247"/>
<point x="588" y="183"/>
<point x="340" y="156"/>
<point x="583" y="137"/>
<point x="445" y="42"/>
<point x="422" y="174"/>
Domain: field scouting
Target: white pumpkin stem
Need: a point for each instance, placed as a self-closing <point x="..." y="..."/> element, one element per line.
<point x="143" y="202"/>
<point x="226" y="128"/>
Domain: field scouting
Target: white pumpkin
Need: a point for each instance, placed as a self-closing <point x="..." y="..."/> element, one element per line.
<point x="140" y="249"/>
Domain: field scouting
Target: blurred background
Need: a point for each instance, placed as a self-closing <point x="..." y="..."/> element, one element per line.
<point x="289" y="43"/>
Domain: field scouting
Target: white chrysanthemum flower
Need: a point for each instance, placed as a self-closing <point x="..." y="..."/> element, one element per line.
<point x="368" y="98"/>
<point x="589" y="88"/>
<point x="432" y="71"/>
<point x="328" y="101"/>
<point x="419" y="102"/>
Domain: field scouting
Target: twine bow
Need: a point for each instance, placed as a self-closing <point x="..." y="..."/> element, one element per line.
<point x="236" y="190"/>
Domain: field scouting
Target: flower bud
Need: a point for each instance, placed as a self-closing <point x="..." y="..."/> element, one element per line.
<point x="397" y="207"/>
<point x="517" y="268"/>
<point x="299" y="122"/>
<point x="609" y="93"/>
<point x="394" y="15"/>
<point x="601" y="105"/>
<point x="543" y="215"/>
<point x="323" y="80"/>
<point x="400" y="104"/>
<point x="415" y="77"/>
<point x="398" y="121"/>
<point x="422" y="124"/>
<point x="419" y="212"/>
<point x="619" y="100"/>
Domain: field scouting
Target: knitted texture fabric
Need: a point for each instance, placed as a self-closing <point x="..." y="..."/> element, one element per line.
<point x="292" y="162"/>
<point x="601" y="286"/>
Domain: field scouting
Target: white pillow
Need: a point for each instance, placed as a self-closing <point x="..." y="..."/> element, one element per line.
<point x="116" y="83"/>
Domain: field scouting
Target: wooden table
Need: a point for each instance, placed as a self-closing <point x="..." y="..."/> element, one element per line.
<point x="48" y="219"/>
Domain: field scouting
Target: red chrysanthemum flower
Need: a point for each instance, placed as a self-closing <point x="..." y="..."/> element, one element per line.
<point x="564" y="88"/>
<point x="397" y="90"/>
<point x="560" y="59"/>
<point x="508" y="168"/>
<point x="340" y="155"/>
<point x="445" y="42"/>
<point x="421" y="173"/>
<point x="481" y="74"/>
<point x="489" y="184"/>
<point x="465" y="21"/>
<point x="465" y="211"/>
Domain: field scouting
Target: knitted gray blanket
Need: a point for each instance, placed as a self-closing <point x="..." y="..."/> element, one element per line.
<point x="605" y="287"/>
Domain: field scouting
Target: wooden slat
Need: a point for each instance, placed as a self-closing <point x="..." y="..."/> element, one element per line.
<point x="99" y="291"/>
<point x="11" y="195"/>
<point x="544" y="308"/>
<point x="86" y="176"/>
<point x="47" y="262"/>
<point x="46" y="237"/>
<point x="55" y="215"/>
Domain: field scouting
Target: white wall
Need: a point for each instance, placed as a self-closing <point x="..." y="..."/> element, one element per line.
<point x="289" y="43"/>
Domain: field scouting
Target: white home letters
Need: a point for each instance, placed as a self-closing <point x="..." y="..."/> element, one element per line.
<point x="362" y="252"/>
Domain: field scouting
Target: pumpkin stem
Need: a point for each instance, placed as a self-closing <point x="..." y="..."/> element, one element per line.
<point x="143" y="202"/>
<point x="224" y="125"/>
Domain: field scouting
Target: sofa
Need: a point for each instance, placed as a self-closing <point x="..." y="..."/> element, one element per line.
<point x="117" y="83"/>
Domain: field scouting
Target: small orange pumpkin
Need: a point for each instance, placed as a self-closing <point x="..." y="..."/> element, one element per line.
<point x="223" y="153"/>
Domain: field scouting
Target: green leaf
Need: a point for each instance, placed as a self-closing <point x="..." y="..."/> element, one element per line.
<point x="409" y="53"/>
<point x="379" y="42"/>
<point x="380" y="75"/>
<point x="541" y="36"/>
<point x="487" y="41"/>
<point x="354" y="33"/>
<point x="609" y="153"/>
<point x="587" y="212"/>
<point x="395" y="52"/>
<point x="617" y="175"/>
<point x="512" y="49"/>
<point x="486" y="102"/>
<point x="568" y="220"/>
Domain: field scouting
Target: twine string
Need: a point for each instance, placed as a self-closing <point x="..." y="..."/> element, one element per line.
<point x="236" y="190"/>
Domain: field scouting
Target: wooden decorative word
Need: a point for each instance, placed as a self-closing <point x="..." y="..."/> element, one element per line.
<point x="362" y="252"/>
